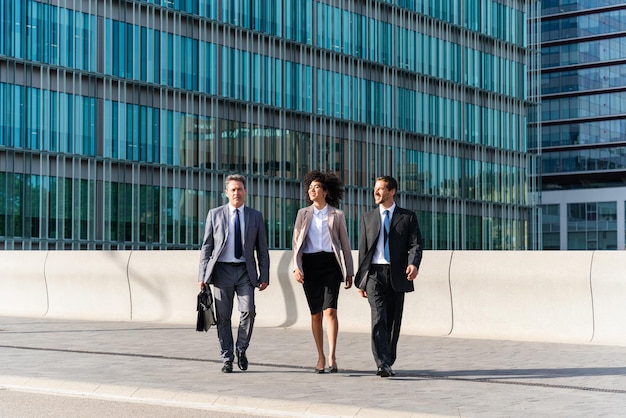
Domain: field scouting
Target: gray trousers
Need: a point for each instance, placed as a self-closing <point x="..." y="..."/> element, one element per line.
<point x="228" y="280"/>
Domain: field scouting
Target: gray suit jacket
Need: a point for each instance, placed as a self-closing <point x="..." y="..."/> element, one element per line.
<point x="338" y="236"/>
<point x="405" y="246"/>
<point x="255" y="239"/>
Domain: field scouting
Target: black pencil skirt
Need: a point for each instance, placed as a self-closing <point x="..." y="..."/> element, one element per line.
<point x="322" y="278"/>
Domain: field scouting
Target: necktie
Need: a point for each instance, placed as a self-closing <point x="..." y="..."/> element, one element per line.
<point x="387" y="224"/>
<point x="238" y="247"/>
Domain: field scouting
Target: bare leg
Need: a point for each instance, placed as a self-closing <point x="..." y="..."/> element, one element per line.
<point x="332" y="324"/>
<point x="318" y="336"/>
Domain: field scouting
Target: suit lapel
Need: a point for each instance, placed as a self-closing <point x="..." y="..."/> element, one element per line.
<point x="374" y="221"/>
<point x="225" y="215"/>
<point x="248" y="220"/>
<point x="396" y="218"/>
<point x="308" y="218"/>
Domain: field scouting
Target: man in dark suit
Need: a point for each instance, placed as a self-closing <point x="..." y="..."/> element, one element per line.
<point x="390" y="252"/>
<point x="233" y="232"/>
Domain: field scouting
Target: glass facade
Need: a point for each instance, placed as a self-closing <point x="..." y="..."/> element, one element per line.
<point x="550" y="216"/>
<point x="583" y="118"/>
<point x="119" y="120"/>
<point x="592" y="226"/>
<point x="583" y="103"/>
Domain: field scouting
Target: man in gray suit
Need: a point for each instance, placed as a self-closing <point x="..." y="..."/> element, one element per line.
<point x="390" y="252"/>
<point x="232" y="234"/>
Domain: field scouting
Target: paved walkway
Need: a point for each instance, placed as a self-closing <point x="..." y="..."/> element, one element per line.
<point x="64" y="368"/>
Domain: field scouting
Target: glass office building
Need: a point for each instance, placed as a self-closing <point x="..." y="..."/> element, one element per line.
<point x="119" y="120"/>
<point x="583" y="146"/>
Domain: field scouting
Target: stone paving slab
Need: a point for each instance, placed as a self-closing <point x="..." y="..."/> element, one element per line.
<point x="175" y="366"/>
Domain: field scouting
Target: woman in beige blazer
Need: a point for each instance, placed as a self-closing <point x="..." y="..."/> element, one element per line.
<point x="320" y="238"/>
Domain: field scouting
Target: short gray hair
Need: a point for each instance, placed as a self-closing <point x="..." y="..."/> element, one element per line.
<point x="235" y="177"/>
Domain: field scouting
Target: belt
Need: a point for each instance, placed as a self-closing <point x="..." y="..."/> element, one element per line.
<point x="380" y="266"/>
<point x="237" y="264"/>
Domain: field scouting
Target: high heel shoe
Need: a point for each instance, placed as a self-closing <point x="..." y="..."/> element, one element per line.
<point x="318" y="369"/>
<point x="322" y="369"/>
<point x="333" y="368"/>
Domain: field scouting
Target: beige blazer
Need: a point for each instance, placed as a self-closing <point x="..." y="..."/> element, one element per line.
<point x="338" y="237"/>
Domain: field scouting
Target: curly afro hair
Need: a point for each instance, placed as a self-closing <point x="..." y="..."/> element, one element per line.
<point x="331" y="184"/>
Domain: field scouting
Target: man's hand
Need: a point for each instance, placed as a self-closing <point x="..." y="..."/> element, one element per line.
<point x="363" y="293"/>
<point x="202" y="284"/>
<point x="263" y="286"/>
<point x="348" y="282"/>
<point x="411" y="272"/>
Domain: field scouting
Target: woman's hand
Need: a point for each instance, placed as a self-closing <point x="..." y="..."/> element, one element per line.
<point x="299" y="276"/>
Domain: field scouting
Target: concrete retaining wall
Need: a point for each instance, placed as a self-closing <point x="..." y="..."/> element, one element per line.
<point x="569" y="296"/>
<point x="91" y="285"/>
<point x="23" y="289"/>
<point x="543" y="296"/>
<point x="163" y="285"/>
<point x="608" y="286"/>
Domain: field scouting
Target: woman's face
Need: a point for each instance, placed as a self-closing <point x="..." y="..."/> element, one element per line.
<point x="317" y="193"/>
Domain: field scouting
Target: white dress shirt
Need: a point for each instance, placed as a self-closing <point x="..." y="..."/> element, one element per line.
<point x="379" y="253"/>
<point x="318" y="237"/>
<point x="228" y="255"/>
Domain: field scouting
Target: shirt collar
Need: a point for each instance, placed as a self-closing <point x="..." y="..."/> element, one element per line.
<point x="318" y="212"/>
<point x="391" y="209"/>
<point x="231" y="208"/>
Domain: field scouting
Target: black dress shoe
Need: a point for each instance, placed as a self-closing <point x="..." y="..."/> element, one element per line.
<point x="242" y="360"/>
<point x="227" y="367"/>
<point x="319" y="371"/>
<point x="385" y="371"/>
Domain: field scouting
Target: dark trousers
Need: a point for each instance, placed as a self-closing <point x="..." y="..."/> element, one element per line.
<point x="386" y="307"/>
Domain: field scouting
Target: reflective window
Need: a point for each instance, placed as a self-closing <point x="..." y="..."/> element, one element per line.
<point x="587" y="106"/>
<point x="561" y="6"/>
<point x="592" y="226"/>
<point x="594" y="132"/>
<point x="602" y="50"/>
<point x="605" y="77"/>
<point x="584" y="160"/>
<point x="551" y="227"/>
<point x="608" y="21"/>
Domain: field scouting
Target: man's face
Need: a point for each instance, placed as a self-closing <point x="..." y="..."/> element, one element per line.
<point x="382" y="195"/>
<point x="236" y="193"/>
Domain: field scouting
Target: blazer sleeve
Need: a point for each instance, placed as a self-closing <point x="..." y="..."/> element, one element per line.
<point x="416" y="242"/>
<point x="296" y="241"/>
<point x="207" y="247"/>
<point x="365" y="255"/>
<point x="263" y="255"/>
<point x="345" y="244"/>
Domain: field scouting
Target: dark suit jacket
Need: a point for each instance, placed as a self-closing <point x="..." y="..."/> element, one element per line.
<point x="255" y="239"/>
<point x="405" y="246"/>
